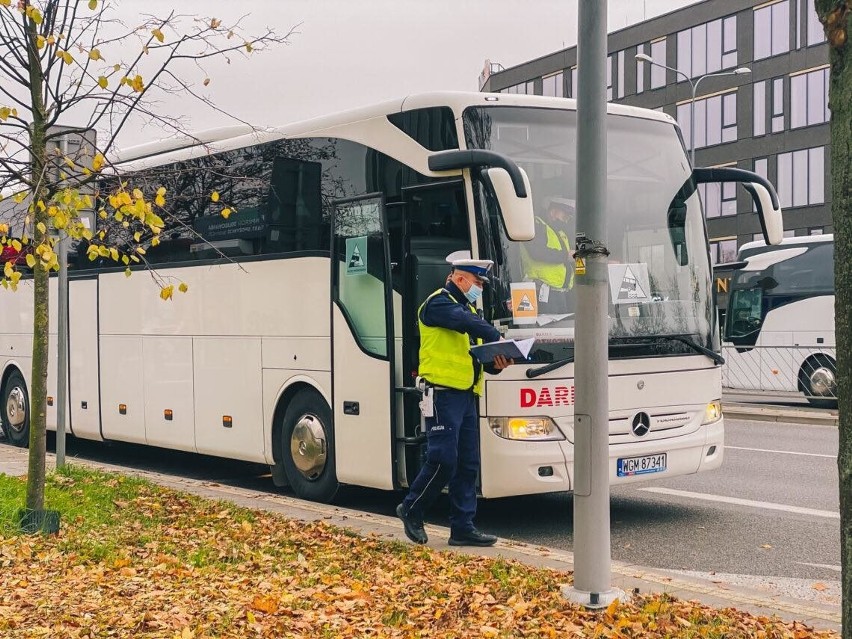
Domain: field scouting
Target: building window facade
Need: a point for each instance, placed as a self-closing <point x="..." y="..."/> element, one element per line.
<point x="801" y="177"/>
<point x="553" y="85"/>
<point x="761" y="167"/>
<point x="715" y="120"/>
<point x="573" y="89"/>
<point x="809" y="98"/>
<point x="640" y="68"/>
<point x="777" y="105"/>
<point x="816" y="33"/>
<point x="719" y="200"/>
<point x="772" y="30"/>
<point x="609" y="78"/>
<point x="759" y="102"/>
<point x="658" y="55"/>
<point x="723" y="250"/>
<point x="620" y="74"/>
<point x="708" y="47"/>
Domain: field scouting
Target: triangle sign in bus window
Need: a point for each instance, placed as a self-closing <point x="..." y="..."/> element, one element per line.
<point x="356" y="255"/>
<point x="525" y="304"/>
<point x="628" y="283"/>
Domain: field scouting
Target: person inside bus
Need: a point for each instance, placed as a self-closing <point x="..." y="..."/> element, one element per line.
<point x="547" y="260"/>
<point x="449" y="325"/>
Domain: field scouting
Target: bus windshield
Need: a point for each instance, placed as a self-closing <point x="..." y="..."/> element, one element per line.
<point x="659" y="267"/>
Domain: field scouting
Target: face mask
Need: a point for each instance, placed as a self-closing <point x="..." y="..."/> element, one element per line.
<point x="473" y="293"/>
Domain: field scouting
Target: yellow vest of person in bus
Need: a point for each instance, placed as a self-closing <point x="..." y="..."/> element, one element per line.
<point x="445" y="358"/>
<point x="554" y="275"/>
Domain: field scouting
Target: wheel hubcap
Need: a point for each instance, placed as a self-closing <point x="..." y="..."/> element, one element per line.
<point x="308" y="447"/>
<point x="16" y="409"/>
<point x="823" y="382"/>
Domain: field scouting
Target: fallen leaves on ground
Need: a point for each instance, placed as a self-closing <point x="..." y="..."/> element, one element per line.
<point x="159" y="563"/>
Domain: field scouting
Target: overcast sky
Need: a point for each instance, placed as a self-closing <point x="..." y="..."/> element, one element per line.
<point x="348" y="53"/>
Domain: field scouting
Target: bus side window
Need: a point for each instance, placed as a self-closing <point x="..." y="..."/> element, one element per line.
<point x="295" y="207"/>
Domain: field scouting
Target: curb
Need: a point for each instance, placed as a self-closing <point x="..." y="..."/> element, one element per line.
<point x="770" y="413"/>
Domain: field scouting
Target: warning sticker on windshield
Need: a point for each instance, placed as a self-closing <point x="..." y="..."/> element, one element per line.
<point x="628" y="283"/>
<point x="524" y="303"/>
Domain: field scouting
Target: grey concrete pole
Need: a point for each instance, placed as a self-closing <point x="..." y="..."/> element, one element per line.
<point x="592" y="560"/>
<point x="62" y="359"/>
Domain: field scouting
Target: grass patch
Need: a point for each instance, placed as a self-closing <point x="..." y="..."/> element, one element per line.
<point x="136" y="560"/>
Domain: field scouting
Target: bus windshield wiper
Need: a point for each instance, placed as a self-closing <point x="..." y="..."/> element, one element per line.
<point x="536" y="372"/>
<point x="683" y="339"/>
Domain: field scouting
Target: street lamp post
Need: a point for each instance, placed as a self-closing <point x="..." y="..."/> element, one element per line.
<point x="644" y="57"/>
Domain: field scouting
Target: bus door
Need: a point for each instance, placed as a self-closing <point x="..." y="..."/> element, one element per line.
<point x="362" y="343"/>
<point x="431" y="224"/>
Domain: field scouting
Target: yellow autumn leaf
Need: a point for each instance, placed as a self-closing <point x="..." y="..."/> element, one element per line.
<point x="128" y="272"/>
<point x="7" y="269"/>
<point x="183" y="288"/>
<point x="166" y="292"/>
<point x="31" y="260"/>
<point x="41" y="227"/>
<point x="137" y="84"/>
<point x="17" y="245"/>
<point x="159" y="200"/>
<point x="226" y="213"/>
<point x="5" y="3"/>
<point x="40" y="42"/>
<point x="158" y="34"/>
<point x="246" y="526"/>
<point x="4" y="229"/>
<point x="93" y="4"/>
<point x="98" y="162"/>
<point x="214" y="196"/>
<point x="34" y="14"/>
<point x="103" y="82"/>
<point x="249" y="48"/>
<point x="95" y="54"/>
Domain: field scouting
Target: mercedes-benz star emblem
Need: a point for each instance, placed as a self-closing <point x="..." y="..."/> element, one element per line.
<point x="641" y="424"/>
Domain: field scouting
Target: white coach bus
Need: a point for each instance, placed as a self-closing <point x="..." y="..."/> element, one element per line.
<point x="300" y="349"/>
<point x="779" y="329"/>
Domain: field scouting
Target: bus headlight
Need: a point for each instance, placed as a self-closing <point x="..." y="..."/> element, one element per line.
<point x="712" y="412"/>
<point x="526" y="428"/>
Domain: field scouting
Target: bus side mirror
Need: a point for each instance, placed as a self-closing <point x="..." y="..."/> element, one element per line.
<point x="509" y="181"/>
<point x="517" y="212"/>
<point x="762" y="192"/>
<point x="771" y="220"/>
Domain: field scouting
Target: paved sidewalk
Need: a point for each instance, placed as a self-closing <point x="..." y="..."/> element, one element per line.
<point x="715" y="592"/>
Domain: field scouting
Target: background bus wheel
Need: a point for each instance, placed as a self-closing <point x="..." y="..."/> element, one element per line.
<point x="818" y="380"/>
<point x="16" y="410"/>
<point x="308" y="447"/>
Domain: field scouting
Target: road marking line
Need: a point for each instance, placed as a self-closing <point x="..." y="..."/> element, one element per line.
<point x="783" y="452"/>
<point x="829" y="514"/>
<point x="826" y="566"/>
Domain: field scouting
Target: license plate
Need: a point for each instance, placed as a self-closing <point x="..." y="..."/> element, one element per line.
<point x="629" y="466"/>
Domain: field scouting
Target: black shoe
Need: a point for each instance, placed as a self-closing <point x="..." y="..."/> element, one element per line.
<point x="413" y="527"/>
<point x="472" y="538"/>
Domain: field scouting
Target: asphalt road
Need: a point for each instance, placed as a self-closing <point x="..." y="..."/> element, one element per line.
<point x="771" y="509"/>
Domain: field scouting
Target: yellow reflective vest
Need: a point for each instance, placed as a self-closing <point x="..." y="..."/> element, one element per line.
<point x="445" y="358"/>
<point x="553" y="274"/>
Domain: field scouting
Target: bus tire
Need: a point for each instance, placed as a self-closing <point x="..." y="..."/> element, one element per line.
<point x="16" y="410"/>
<point x="818" y="380"/>
<point x="307" y="447"/>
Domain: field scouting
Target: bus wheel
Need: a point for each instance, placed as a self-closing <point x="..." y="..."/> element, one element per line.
<point x="818" y="380"/>
<point x="308" y="447"/>
<point x="15" y="407"/>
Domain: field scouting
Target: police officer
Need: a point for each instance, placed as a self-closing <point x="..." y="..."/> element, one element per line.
<point x="449" y="325"/>
<point x="547" y="259"/>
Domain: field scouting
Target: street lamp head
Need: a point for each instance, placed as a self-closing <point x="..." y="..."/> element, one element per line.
<point x="742" y="70"/>
<point x="644" y="57"/>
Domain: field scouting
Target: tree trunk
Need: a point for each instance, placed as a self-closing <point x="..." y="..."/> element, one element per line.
<point x="836" y="17"/>
<point x="38" y="377"/>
